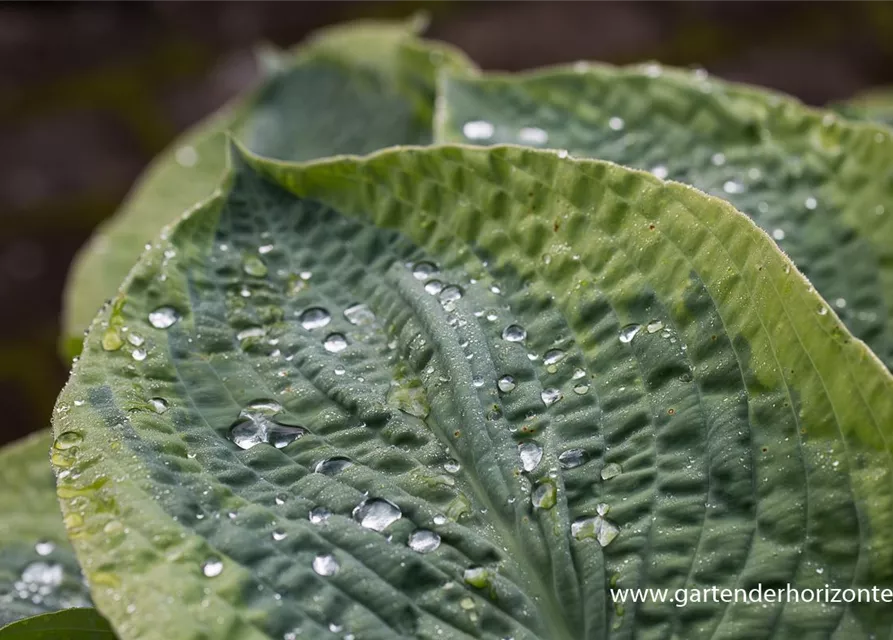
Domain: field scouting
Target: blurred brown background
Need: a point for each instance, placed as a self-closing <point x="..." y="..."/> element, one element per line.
<point x="89" y="92"/>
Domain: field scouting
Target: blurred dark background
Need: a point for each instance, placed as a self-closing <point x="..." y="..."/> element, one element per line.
<point x="90" y="92"/>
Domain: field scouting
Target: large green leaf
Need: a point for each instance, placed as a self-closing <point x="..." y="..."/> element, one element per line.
<point x="38" y="571"/>
<point x="70" y="624"/>
<point x="351" y="89"/>
<point x="484" y="385"/>
<point x="821" y="186"/>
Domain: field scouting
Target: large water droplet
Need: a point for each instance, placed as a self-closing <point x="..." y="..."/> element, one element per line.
<point x="550" y="396"/>
<point x="325" y="565"/>
<point x="544" y="495"/>
<point x="212" y="568"/>
<point x="318" y="515"/>
<point x="252" y="430"/>
<point x="138" y="354"/>
<point x="597" y="527"/>
<point x="67" y="440"/>
<point x="332" y="466"/>
<point x="424" y="270"/>
<point x="279" y="534"/>
<point x="554" y="356"/>
<point x="629" y="332"/>
<point x="377" y="513"/>
<point x="572" y="458"/>
<point x="314" y="318"/>
<point x="451" y="466"/>
<point x="44" y="547"/>
<point x="423" y="541"/>
<point x="505" y="384"/>
<point x="335" y="342"/>
<point x="478" y="130"/>
<point x="477" y="577"/>
<point x="531" y="453"/>
<point x="514" y="333"/>
<point x="449" y="296"/>
<point x="158" y="404"/>
<point x="359" y="315"/>
<point x="163" y="317"/>
<point x="611" y="470"/>
<point x="433" y="287"/>
<point x="254" y="266"/>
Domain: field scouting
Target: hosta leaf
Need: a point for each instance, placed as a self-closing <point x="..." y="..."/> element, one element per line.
<point x="327" y="99"/>
<point x="71" y="624"/>
<point x="38" y="571"/>
<point x="876" y="105"/>
<point x="821" y="186"/>
<point x="460" y="392"/>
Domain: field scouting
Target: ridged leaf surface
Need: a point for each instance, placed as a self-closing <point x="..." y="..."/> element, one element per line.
<point x="38" y="570"/>
<point x="350" y="89"/>
<point x="462" y="393"/>
<point x="821" y="186"/>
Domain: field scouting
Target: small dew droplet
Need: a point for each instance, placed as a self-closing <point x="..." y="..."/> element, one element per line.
<point x="377" y="513"/>
<point x="163" y="318"/>
<point x="514" y="333"/>
<point x="314" y="318"/>
<point x="325" y="565"/>
<point x="424" y="541"/>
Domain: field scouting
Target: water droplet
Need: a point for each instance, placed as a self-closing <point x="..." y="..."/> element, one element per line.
<point x="279" y="534"/>
<point x="531" y="453"/>
<point x="377" y="513"/>
<point x="811" y="203"/>
<point x="67" y="440"/>
<point x="44" y="547"/>
<point x="325" y="565"/>
<point x="533" y="135"/>
<point x="572" y="458"/>
<point x="840" y="303"/>
<point x="514" y="333"/>
<point x="452" y="466"/>
<point x="660" y="171"/>
<point x="163" y="318"/>
<point x="359" y="315"/>
<point x="581" y="389"/>
<point x="332" y="466"/>
<point x="433" y="287"/>
<point x="424" y="270"/>
<point x="449" y="296"/>
<point x="478" y="130"/>
<point x="252" y="430"/>
<point x="314" y="318"/>
<point x="423" y="541"/>
<point x="138" y="354"/>
<point x="778" y="234"/>
<point x="254" y="266"/>
<point x="335" y="342"/>
<point x="579" y="373"/>
<point x="135" y="340"/>
<point x="654" y="327"/>
<point x="505" y="384"/>
<point x="477" y="381"/>
<point x="250" y="332"/>
<point x="597" y="527"/>
<point x="611" y="470"/>
<point x="477" y="577"/>
<point x="544" y="495"/>
<point x="616" y="123"/>
<point x="551" y="396"/>
<point x="553" y="356"/>
<point x="629" y="332"/>
<point x="212" y="568"/>
<point x="718" y="159"/>
<point x="262" y="406"/>
<point x="318" y="515"/>
<point x="158" y="404"/>
<point x="823" y="310"/>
